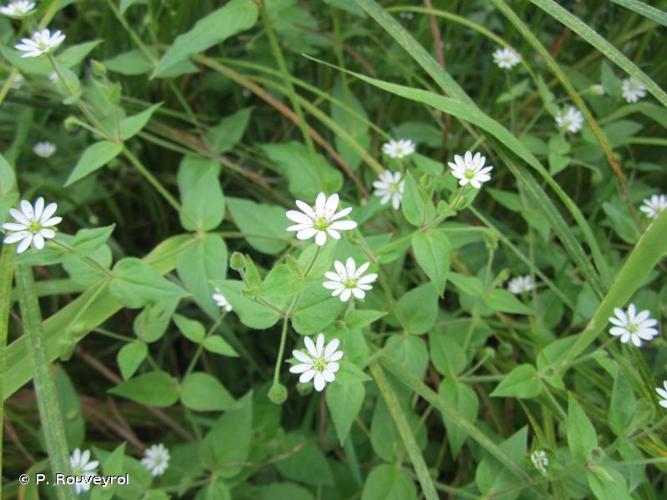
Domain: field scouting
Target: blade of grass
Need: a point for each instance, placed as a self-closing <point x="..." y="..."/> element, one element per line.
<point x="6" y="276"/>
<point x="645" y="10"/>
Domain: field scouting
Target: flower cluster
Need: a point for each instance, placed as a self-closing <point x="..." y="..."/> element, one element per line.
<point x="521" y="284"/>
<point x="221" y="301"/>
<point x="540" y="460"/>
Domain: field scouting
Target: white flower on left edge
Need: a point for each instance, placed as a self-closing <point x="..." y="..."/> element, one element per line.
<point x="662" y="392"/>
<point x="320" y="220"/>
<point x="33" y="224"/>
<point x="632" y="90"/>
<point x="399" y="149"/>
<point x="540" y="460"/>
<point x="82" y="466"/>
<point x="348" y="280"/>
<point x="40" y="43"/>
<point x="470" y="168"/>
<point x="633" y="326"/>
<point x="570" y="119"/>
<point x="506" y="58"/>
<point x="18" y="9"/>
<point x="221" y="301"/>
<point x="389" y="186"/>
<point x="44" y="149"/>
<point x="319" y="363"/>
<point x="156" y="459"/>
<point x="654" y="205"/>
<point x="520" y="284"/>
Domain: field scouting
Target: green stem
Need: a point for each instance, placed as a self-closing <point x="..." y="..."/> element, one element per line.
<point x="47" y="398"/>
<point x="6" y="274"/>
<point x="200" y="347"/>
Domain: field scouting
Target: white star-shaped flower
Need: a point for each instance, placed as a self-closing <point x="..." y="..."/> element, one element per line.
<point x="389" y="186"/>
<point x="348" y="280"/>
<point x="82" y="467"/>
<point x="506" y="58"/>
<point x="571" y="119"/>
<point x="320" y="220"/>
<point x="319" y="363"/>
<point x="221" y="301"/>
<point x="662" y="392"/>
<point x="633" y="326"/>
<point x="18" y="9"/>
<point x="33" y="224"/>
<point x="470" y="169"/>
<point x="44" y="149"/>
<point x="654" y="205"/>
<point x="399" y="149"/>
<point x="156" y="459"/>
<point x="521" y="284"/>
<point x="40" y="43"/>
<point x="632" y="90"/>
<point x="540" y="460"/>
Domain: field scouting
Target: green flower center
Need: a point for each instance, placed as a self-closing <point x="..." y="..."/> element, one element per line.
<point x="632" y="328"/>
<point x="34" y="227"/>
<point x="321" y="224"/>
<point x="350" y="283"/>
<point x="320" y="365"/>
<point x="393" y="186"/>
<point x="470" y="173"/>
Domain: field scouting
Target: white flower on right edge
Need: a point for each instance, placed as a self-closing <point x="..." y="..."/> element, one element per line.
<point x="33" y="224"/>
<point x="571" y="120"/>
<point x="632" y="90"/>
<point x="506" y="58"/>
<point x="633" y="326"/>
<point x="320" y="220"/>
<point x="540" y="460"/>
<point x="348" y="280"/>
<point x="40" y="43"/>
<point x="399" y="149"/>
<point x="156" y="459"/>
<point x="662" y="392"/>
<point x="521" y="284"/>
<point x="83" y="467"/>
<point x="18" y="9"/>
<point x="319" y="363"/>
<point x="44" y="149"/>
<point x="389" y="186"/>
<point x="470" y="169"/>
<point x="654" y="205"/>
<point x="221" y="300"/>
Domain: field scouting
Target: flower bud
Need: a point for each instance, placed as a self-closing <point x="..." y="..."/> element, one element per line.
<point x="98" y="68"/>
<point x="237" y="261"/>
<point x="278" y="394"/>
<point x="597" y="89"/>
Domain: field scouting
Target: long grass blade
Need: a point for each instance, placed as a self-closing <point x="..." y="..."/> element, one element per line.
<point x="645" y="10"/>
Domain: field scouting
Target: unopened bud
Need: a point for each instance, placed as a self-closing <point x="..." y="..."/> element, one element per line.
<point x="278" y="394"/>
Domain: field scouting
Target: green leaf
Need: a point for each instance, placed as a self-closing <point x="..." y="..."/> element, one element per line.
<point x="417" y="310"/>
<point x="621" y="223"/>
<point x="130" y="358"/>
<point x="607" y="483"/>
<point x="492" y="477"/>
<point x="126" y="4"/>
<point x="94" y="158"/>
<point x="7" y="178"/>
<point x="622" y="405"/>
<point x="447" y="355"/>
<point x="263" y="225"/>
<point x="202" y="392"/>
<point x="251" y="312"/>
<point x="135" y="284"/>
<point x="228" y="133"/>
<point x="283" y="281"/>
<point x="193" y="330"/>
<point x="284" y="491"/>
<point x="432" y="249"/>
<point x="218" y="345"/>
<point x="152" y="322"/>
<point x="201" y="194"/>
<point x="522" y="382"/>
<point x="349" y="113"/>
<point x="387" y="482"/>
<point x="132" y="62"/>
<point x="409" y="350"/>
<point x="215" y="28"/>
<point x="317" y="310"/>
<point x="505" y="301"/>
<point x="344" y="401"/>
<point x="581" y="435"/>
<point x="151" y="389"/>
<point x="361" y="318"/>
<point x="132" y="125"/>
<point x="72" y="412"/>
<point x="463" y="398"/>
<point x="305" y="461"/>
<point x="415" y="206"/>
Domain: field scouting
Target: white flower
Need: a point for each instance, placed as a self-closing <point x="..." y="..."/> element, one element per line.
<point x="54" y="77"/>
<point x="348" y="280"/>
<point x="654" y="205"/>
<point x="662" y="392"/>
<point x="470" y="169"/>
<point x="632" y="90"/>
<point x="521" y="284"/>
<point x="221" y="301"/>
<point x="18" y="9"/>
<point x="156" y="459"/>
<point x="82" y="467"/>
<point x="399" y="149"/>
<point x="17" y="83"/>
<point x="44" y="149"/>
<point x="506" y="58"/>
<point x="540" y="460"/>
<point x="319" y="363"/>
<point x="390" y="187"/>
<point x="32" y="224"/>
<point x="320" y="220"/>
<point x="571" y="119"/>
<point x="633" y="327"/>
<point x="41" y="42"/>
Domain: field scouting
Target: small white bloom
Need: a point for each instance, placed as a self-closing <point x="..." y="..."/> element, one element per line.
<point x="82" y="466"/>
<point x="156" y="459"/>
<point x="221" y="301"/>
<point x="662" y="392"/>
<point x="33" y="224"/>
<point x="521" y="284"/>
<point x="633" y="326"/>
<point x="18" y="9"/>
<point x="44" y="149"/>
<point x="54" y="77"/>
<point x="389" y="186"/>
<point x="506" y="58"/>
<point x="320" y="220"/>
<point x="399" y="149"/>
<point x="319" y="363"/>
<point x="41" y="42"/>
<point x="654" y="205"/>
<point x="571" y="119"/>
<point x="348" y="280"/>
<point x="632" y="90"/>
<point x="470" y="169"/>
<point x="540" y="460"/>
<point x="18" y="81"/>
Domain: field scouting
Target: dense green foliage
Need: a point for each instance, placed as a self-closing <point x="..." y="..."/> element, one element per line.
<point x="168" y="304"/>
